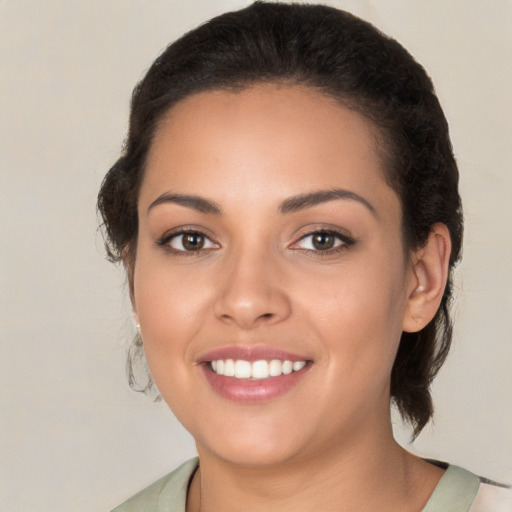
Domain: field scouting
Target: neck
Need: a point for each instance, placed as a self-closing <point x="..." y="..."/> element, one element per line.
<point x="370" y="473"/>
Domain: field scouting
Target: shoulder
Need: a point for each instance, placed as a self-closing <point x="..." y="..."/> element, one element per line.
<point x="460" y="490"/>
<point x="492" y="498"/>
<point x="169" y="493"/>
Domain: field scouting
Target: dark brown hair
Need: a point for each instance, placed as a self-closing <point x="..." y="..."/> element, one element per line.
<point x="348" y="59"/>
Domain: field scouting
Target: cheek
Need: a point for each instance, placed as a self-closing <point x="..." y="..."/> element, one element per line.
<point x="167" y="303"/>
<point x="368" y="295"/>
<point x="358" y="314"/>
<point x="174" y="304"/>
<point x="167" y="326"/>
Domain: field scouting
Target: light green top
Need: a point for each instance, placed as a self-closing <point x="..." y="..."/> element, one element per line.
<point x="455" y="492"/>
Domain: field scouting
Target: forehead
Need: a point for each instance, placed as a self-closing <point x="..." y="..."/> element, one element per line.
<point x="263" y="142"/>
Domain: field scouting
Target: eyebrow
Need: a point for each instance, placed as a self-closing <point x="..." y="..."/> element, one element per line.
<point x="290" y="205"/>
<point x="303" y="201"/>
<point x="195" y="202"/>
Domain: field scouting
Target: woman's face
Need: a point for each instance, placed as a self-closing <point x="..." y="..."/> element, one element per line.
<point x="267" y="233"/>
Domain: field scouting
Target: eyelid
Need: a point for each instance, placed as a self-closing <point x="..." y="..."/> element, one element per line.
<point x="168" y="236"/>
<point x="345" y="239"/>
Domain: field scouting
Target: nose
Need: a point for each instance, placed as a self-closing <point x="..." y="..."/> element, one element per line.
<point x="252" y="292"/>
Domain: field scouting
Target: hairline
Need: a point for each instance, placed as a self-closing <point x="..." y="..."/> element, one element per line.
<point x="380" y="135"/>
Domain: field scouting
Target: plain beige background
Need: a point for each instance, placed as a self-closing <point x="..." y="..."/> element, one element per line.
<point x="73" y="436"/>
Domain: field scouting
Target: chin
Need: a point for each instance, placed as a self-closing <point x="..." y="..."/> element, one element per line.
<point x="254" y="457"/>
<point x="257" y="446"/>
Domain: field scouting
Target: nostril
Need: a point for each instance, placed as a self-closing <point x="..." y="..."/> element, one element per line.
<point x="250" y="303"/>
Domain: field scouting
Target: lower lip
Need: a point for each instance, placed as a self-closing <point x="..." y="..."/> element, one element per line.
<point x="252" y="391"/>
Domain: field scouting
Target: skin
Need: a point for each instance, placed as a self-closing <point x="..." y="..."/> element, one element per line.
<point x="259" y="280"/>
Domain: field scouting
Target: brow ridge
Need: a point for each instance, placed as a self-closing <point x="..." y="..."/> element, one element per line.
<point x="303" y="201"/>
<point x="189" y="201"/>
<point x="290" y="205"/>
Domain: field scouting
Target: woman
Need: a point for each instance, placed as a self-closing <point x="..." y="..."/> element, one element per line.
<point x="287" y="211"/>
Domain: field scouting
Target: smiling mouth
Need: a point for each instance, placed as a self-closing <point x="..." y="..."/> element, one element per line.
<point x="253" y="375"/>
<point x="255" y="370"/>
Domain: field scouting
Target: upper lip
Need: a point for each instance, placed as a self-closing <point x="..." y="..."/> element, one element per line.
<point x="250" y="353"/>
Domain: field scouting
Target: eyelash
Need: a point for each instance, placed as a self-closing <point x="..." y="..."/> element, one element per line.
<point x="346" y="242"/>
<point x="165" y="241"/>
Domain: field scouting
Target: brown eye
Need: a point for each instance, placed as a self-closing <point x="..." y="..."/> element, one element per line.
<point x="189" y="241"/>
<point x="193" y="241"/>
<point x="323" y="241"/>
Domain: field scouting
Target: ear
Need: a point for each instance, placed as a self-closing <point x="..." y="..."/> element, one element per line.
<point x="128" y="258"/>
<point x="428" y="279"/>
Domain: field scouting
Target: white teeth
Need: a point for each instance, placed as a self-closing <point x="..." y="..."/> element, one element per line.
<point x="229" y="368"/>
<point x="261" y="369"/>
<point x="275" y="368"/>
<point x="298" y="365"/>
<point x="287" y="367"/>
<point x="242" y="369"/>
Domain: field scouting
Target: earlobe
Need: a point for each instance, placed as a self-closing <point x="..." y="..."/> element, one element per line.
<point x="430" y="273"/>
<point x="136" y="320"/>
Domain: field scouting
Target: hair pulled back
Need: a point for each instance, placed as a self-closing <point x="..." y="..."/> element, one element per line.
<point x="348" y="59"/>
